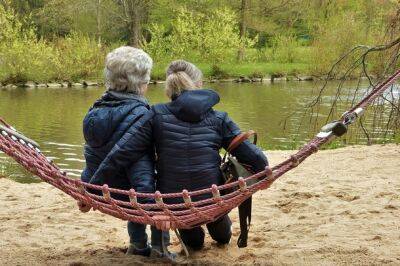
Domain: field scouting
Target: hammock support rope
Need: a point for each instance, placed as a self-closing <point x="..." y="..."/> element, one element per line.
<point x="189" y="213"/>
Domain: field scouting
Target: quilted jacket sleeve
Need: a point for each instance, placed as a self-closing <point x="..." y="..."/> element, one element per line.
<point x="133" y="145"/>
<point x="246" y="153"/>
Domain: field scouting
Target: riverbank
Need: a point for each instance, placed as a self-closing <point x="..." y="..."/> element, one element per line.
<point x="84" y="84"/>
<point x="339" y="207"/>
<point x="244" y="72"/>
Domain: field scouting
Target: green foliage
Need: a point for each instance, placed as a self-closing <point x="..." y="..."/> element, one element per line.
<point x="336" y="37"/>
<point x="80" y="57"/>
<point x="161" y="46"/>
<point x="23" y="56"/>
<point x="212" y="37"/>
<point x="46" y="40"/>
<point x="217" y="72"/>
<point x="284" y="48"/>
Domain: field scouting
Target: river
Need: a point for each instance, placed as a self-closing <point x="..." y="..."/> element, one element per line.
<point x="53" y="117"/>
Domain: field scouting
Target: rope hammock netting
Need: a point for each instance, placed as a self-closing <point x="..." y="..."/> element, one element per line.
<point x="190" y="213"/>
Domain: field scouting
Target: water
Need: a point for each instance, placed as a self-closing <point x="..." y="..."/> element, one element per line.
<point x="53" y="117"/>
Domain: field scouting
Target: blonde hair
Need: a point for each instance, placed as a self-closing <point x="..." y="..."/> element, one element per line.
<point x="181" y="76"/>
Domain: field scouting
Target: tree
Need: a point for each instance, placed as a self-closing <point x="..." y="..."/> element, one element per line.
<point x="134" y="14"/>
<point x="242" y="28"/>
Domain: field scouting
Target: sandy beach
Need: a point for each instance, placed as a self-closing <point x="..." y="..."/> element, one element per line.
<point x="340" y="207"/>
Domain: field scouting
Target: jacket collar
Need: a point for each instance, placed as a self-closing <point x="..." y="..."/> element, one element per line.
<point x="127" y="96"/>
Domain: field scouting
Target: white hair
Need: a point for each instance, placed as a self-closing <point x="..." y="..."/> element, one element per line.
<point x="127" y="69"/>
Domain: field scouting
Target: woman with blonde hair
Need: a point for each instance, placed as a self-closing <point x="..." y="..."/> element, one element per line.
<point x="187" y="134"/>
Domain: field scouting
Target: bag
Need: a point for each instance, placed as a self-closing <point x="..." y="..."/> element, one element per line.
<point x="231" y="171"/>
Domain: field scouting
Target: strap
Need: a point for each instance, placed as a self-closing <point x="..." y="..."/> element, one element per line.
<point x="239" y="139"/>
<point x="182" y="243"/>
<point x="245" y="220"/>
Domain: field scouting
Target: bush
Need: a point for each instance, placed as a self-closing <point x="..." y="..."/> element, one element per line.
<point x="23" y="56"/>
<point x="218" y="73"/>
<point x="80" y="57"/>
<point x="196" y="36"/>
<point x="284" y="48"/>
<point x="335" y="38"/>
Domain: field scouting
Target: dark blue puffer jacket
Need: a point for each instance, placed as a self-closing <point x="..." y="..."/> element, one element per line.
<point x="103" y="126"/>
<point x="188" y="135"/>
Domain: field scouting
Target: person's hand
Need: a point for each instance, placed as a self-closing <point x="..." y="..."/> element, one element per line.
<point x="164" y="223"/>
<point x="83" y="207"/>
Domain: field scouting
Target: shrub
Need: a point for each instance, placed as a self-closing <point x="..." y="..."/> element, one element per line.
<point x="335" y="37"/>
<point x="218" y="73"/>
<point x="284" y="48"/>
<point x="80" y="57"/>
<point x="213" y="37"/>
<point x="23" y="56"/>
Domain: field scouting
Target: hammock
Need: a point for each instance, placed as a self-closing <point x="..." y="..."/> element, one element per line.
<point x="189" y="213"/>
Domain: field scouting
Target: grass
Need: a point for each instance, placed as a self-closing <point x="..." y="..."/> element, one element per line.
<point x="235" y="70"/>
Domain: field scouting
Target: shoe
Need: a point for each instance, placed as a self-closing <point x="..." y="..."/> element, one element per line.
<point x="168" y="256"/>
<point x="134" y="250"/>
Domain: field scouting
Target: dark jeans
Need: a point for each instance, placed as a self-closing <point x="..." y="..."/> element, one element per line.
<point x="138" y="236"/>
<point x="220" y="231"/>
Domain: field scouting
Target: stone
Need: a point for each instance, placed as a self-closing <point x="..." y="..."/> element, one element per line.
<point x="243" y="79"/>
<point x="30" y="84"/>
<point x="54" y="85"/>
<point x="226" y="80"/>
<point x="10" y="86"/>
<point x="76" y="84"/>
<point x="266" y="80"/>
<point x="90" y="83"/>
<point x="279" y="79"/>
<point x="290" y="78"/>
<point x="65" y="84"/>
<point x="306" y="78"/>
<point x="41" y="85"/>
<point x="256" y="79"/>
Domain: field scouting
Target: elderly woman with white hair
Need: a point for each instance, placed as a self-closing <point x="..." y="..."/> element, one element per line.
<point x="127" y="74"/>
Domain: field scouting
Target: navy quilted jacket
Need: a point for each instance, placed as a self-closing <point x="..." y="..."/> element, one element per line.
<point x="103" y="126"/>
<point x="188" y="135"/>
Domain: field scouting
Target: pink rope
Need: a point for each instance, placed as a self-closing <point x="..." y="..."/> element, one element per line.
<point x="186" y="214"/>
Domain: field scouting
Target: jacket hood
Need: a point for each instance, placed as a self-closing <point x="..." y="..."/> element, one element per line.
<point x="193" y="105"/>
<point x="108" y="115"/>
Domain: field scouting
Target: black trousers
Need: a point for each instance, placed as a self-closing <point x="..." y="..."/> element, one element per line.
<point x="219" y="230"/>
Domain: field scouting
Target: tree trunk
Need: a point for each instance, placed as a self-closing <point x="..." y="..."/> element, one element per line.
<point x="136" y="11"/>
<point x="242" y="28"/>
<point x="98" y="22"/>
<point x="135" y="28"/>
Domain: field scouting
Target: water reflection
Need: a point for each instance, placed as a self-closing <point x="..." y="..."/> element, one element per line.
<point x="53" y="117"/>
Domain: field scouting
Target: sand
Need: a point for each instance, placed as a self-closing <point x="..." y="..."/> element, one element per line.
<point x="339" y="207"/>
